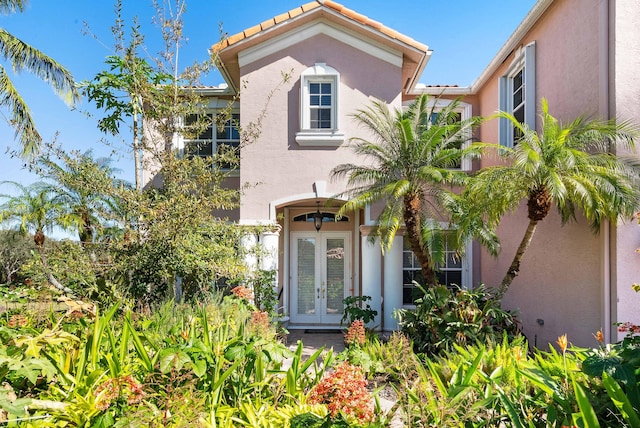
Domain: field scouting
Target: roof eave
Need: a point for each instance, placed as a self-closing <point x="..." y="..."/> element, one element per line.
<point x="442" y="90"/>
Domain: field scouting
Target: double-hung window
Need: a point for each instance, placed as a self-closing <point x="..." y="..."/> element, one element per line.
<point x="453" y="272"/>
<point x="321" y="106"/>
<point x="517" y="93"/>
<point x="219" y="137"/>
<point x="319" y="102"/>
<point x="462" y="112"/>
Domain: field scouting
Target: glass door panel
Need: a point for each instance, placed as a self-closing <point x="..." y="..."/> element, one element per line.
<point x="335" y="276"/>
<point x="320" y="277"/>
<point x="306" y="276"/>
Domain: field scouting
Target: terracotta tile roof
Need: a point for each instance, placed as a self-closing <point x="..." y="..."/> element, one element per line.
<point x="329" y="4"/>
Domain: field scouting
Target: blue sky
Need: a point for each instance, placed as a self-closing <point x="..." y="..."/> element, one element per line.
<point x="464" y="35"/>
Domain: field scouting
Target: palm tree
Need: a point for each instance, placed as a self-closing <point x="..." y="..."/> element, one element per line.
<point x="413" y="162"/>
<point x="83" y="187"/>
<point x="571" y="166"/>
<point x="24" y="57"/>
<point x="35" y="209"/>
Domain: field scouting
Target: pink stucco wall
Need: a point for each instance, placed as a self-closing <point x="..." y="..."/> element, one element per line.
<point x="561" y="278"/>
<point x="280" y="167"/>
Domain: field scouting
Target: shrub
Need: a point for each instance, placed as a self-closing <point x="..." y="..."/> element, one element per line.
<point x="445" y="317"/>
<point x="354" y="310"/>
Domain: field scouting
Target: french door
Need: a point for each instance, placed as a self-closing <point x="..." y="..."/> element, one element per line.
<point x="320" y="276"/>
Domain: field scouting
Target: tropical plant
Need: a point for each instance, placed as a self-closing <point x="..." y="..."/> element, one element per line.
<point x="84" y="186"/>
<point x="35" y="209"/>
<point x="444" y="318"/>
<point x="413" y="159"/>
<point x="24" y="57"/>
<point x="573" y="166"/>
<point x="354" y="310"/>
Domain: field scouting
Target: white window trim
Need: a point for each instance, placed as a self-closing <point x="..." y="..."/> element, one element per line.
<point x="331" y="137"/>
<point x="525" y="57"/>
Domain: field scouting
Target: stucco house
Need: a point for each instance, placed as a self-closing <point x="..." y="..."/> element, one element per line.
<point x="582" y="55"/>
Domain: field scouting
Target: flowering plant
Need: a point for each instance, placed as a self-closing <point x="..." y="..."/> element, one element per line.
<point x="345" y="393"/>
<point x="115" y="389"/>
<point x="242" y="292"/>
<point x="355" y="335"/>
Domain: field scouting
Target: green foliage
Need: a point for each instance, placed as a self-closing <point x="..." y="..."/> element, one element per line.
<point x="265" y="295"/>
<point x="617" y="367"/>
<point x="412" y="163"/>
<point x="354" y="310"/>
<point x="575" y="166"/>
<point x="180" y="365"/>
<point x="68" y="262"/>
<point x="443" y="318"/>
<point x="24" y="57"/>
<point x="15" y="250"/>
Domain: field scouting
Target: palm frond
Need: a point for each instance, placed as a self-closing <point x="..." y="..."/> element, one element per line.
<point x="24" y="57"/>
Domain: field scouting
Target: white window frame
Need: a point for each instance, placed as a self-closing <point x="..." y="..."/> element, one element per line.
<point x="465" y="269"/>
<point x="525" y="60"/>
<point x="184" y="142"/>
<point x="307" y="136"/>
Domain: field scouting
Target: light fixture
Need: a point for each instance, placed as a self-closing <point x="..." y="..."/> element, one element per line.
<point x="317" y="219"/>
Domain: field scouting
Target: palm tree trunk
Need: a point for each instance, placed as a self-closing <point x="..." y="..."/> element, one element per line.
<point x="412" y="224"/>
<point x="514" y="269"/>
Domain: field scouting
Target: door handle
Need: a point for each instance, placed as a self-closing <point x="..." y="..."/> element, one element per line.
<point x="318" y="291"/>
<point x="323" y="292"/>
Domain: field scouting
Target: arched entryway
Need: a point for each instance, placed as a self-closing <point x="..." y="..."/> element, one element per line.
<point x="319" y="263"/>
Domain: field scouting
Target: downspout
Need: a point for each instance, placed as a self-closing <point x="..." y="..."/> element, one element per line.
<point x="605" y="114"/>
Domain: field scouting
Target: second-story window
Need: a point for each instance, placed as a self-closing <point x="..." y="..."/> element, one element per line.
<point x="220" y="137"/>
<point x="518" y="94"/>
<point x="319" y="107"/>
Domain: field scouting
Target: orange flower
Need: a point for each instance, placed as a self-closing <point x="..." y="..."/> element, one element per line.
<point x="355" y="334"/>
<point x="517" y="354"/>
<point x="599" y="336"/>
<point x="562" y="343"/>
<point x="242" y="292"/>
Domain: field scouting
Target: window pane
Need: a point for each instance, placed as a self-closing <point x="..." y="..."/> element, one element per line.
<point x="453" y="261"/>
<point x="326" y="88"/>
<point x="306" y="275"/>
<point x="517" y="97"/>
<point x="335" y="275"/>
<point x="315" y="100"/>
<point x="314" y="88"/>
<point x="518" y="80"/>
<point x="325" y="100"/>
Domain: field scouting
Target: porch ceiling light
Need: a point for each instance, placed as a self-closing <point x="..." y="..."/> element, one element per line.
<point x="317" y="219"/>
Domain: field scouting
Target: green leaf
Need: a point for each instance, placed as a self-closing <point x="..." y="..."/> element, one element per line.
<point x="587" y="417"/>
<point x="511" y="410"/>
<point x="199" y="367"/>
<point x="621" y="401"/>
<point x="173" y="359"/>
<point x="236" y="352"/>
